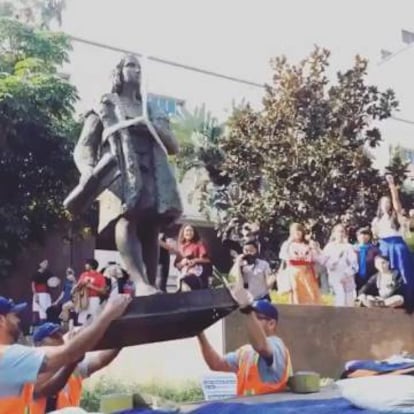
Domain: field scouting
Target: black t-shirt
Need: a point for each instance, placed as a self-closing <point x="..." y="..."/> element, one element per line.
<point x="164" y="253"/>
<point x="41" y="278"/>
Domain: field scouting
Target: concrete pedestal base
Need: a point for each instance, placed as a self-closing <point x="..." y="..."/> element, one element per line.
<point x="324" y="338"/>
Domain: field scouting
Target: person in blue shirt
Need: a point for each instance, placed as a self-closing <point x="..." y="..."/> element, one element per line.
<point x="21" y="367"/>
<point x="366" y="251"/>
<point x="64" y="301"/>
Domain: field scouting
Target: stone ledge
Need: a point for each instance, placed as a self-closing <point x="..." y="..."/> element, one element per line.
<point x="323" y="338"/>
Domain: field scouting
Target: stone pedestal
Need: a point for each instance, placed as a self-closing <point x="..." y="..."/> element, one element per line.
<point x="324" y="338"/>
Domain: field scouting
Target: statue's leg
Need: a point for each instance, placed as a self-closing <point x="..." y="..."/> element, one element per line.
<point x="130" y="249"/>
<point x="150" y="250"/>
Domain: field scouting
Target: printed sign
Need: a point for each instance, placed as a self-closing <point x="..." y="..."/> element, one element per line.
<point x="219" y="386"/>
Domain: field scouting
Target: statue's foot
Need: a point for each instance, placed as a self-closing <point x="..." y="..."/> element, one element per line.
<point x="143" y="289"/>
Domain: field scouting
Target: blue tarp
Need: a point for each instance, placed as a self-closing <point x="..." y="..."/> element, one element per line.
<point x="330" y="406"/>
<point x="378" y="366"/>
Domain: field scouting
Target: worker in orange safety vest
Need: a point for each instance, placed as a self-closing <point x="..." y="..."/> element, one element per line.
<point x="50" y="334"/>
<point x="22" y="367"/>
<point x="263" y="366"/>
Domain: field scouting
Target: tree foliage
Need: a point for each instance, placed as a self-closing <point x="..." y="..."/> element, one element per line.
<point x="36" y="131"/>
<point x="399" y="168"/>
<point x="305" y="156"/>
<point x="199" y="134"/>
<point x="36" y="13"/>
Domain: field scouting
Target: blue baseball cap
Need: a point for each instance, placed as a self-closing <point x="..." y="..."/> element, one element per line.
<point x="8" y="306"/>
<point x="45" y="330"/>
<point x="266" y="308"/>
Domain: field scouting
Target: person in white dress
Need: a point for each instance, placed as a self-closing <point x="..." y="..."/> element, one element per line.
<point x="341" y="262"/>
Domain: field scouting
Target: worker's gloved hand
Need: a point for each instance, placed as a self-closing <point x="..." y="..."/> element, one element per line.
<point x="242" y="296"/>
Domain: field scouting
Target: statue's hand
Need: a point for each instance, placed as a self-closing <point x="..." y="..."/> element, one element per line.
<point x="389" y="179"/>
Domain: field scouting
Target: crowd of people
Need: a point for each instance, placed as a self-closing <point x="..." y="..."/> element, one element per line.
<point x="376" y="271"/>
<point x="49" y="375"/>
<point x="81" y="298"/>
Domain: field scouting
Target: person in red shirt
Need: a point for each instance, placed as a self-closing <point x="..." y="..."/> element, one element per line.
<point x="192" y="260"/>
<point x="93" y="284"/>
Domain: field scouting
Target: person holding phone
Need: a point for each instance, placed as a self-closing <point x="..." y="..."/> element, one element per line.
<point x="252" y="272"/>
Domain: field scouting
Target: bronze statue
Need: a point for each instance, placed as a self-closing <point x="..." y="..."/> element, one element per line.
<point x="122" y="155"/>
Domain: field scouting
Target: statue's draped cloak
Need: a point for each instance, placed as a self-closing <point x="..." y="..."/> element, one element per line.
<point x="157" y="196"/>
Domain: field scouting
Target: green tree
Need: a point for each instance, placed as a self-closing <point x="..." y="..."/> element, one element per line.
<point x="305" y="155"/>
<point x="37" y="13"/>
<point x="398" y="168"/>
<point x="37" y="128"/>
<point x="199" y="134"/>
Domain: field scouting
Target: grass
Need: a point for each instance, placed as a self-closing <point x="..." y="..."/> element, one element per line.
<point x="178" y="393"/>
<point x="283" y="298"/>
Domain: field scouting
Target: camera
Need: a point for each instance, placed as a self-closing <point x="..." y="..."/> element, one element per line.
<point x="249" y="259"/>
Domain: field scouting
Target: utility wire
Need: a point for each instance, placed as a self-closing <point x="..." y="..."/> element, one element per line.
<point x="192" y="68"/>
<point x="168" y="62"/>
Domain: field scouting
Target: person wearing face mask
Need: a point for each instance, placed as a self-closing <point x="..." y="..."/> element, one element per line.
<point x="254" y="273"/>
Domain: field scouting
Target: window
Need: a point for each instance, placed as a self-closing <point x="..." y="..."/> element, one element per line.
<point x="166" y="104"/>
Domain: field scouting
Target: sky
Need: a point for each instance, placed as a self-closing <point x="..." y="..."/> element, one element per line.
<point x="239" y="38"/>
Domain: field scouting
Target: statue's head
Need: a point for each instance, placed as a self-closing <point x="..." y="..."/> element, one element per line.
<point x="127" y="71"/>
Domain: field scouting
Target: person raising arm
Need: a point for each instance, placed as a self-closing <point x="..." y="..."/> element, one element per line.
<point x="64" y="389"/>
<point x="262" y="366"/>
<point x="21" y="366"/>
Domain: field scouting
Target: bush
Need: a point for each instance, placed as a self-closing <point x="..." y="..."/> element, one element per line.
<point x="179" y="393"/>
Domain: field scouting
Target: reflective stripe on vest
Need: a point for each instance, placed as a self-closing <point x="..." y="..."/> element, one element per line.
<point x="18" y="405"/>
<point x="248" y="375"/>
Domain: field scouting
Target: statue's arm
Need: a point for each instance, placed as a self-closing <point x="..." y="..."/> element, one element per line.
<point x="87" y="148"/>
<point x="162" y="125"/>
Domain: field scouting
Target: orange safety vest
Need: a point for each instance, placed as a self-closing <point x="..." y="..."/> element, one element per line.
<point x="19" y="404"/>
<point x="38" y="406"/>
<point x="248" y="375"/>
<point x="70" y="396"/>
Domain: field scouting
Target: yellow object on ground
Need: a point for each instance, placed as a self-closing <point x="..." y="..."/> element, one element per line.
<point x="116" y="402"/>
